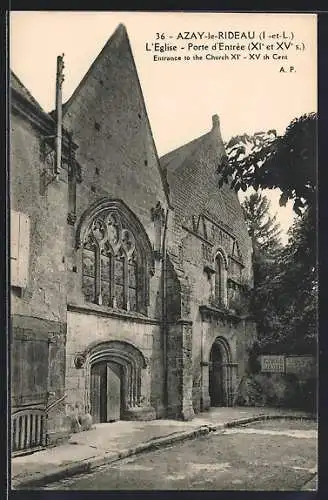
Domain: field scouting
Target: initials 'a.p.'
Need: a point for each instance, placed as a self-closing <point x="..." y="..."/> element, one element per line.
<point x="287" y="69"/>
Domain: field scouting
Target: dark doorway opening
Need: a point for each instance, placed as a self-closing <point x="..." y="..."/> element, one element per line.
<point x="106" y="392"/>
<point x="216" y="390"/>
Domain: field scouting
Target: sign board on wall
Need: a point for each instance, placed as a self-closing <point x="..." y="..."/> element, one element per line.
<point x="303" y="366"/>
<point x="273" y="364"/>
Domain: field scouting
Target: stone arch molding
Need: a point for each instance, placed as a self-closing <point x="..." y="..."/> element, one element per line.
<point x="97" y="349"/>
<point x="219" y="251"/>
<point x="112" y="221"/>
<point x="133" y="363"/>
<point x="224" y="347"/>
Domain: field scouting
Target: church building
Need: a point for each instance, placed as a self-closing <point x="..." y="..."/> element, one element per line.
<point x="128" y="271"/>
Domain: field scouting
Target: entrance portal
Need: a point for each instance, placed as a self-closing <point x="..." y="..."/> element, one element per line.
<point x="220" y="373"/>
<point x="215" y="377"/>
<point x="114" y="372"/>
<point x="106" y="391"/>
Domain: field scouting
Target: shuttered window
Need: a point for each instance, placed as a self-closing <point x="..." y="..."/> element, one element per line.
<point x="29" y="370"/>
<point x="19" y="248"/>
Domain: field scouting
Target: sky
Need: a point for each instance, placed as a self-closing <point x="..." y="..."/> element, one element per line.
<point x="181" y="96"/>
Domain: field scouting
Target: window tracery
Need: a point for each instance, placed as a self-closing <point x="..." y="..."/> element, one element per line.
<point x="113" y="265"/>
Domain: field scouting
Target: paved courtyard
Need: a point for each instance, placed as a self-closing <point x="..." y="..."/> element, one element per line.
<point x="273" y="455"/>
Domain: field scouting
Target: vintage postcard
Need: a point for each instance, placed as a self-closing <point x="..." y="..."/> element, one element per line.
<point x="163" y="260"/>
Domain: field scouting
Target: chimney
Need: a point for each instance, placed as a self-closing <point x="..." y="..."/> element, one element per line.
<point x="59" y="111"/>
<point x="215" y="122"/>
<point x="216" y="136"/>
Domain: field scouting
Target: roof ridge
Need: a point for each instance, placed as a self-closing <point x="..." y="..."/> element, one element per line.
<point x="25" y="89"/>
<point x="196" y="139"/>
<point x="119" y="31"/>
<point x="117" y="41"/>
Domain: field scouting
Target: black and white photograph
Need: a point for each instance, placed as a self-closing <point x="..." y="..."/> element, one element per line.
<point x="163" y="251"/>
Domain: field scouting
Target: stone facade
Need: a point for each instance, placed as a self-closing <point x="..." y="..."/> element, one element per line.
<point x="209" y="246"/>
<point x="39" y="287"/>
<point x="137" y="263"/>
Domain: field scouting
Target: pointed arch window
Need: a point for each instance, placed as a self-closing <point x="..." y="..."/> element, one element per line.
<point x="114" y="265"/>
<point x="220" y="280"/>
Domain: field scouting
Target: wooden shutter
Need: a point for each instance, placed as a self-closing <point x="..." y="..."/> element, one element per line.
<point x="14" y="245"/>
<point x="29" y="357"/>
<point x="19" y="248"/>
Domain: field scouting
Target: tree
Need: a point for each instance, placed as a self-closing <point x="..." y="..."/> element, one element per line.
<point x="265" y="235"/>
<point x="268" y="161"/>
<point x="285" y="295"/>
<point x="262" y="228"/>
<point x="286" y="287"/>
<point x="298" y="299"/>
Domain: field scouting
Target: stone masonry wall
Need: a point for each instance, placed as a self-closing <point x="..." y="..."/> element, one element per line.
<point x="85" y="330"/>
<point x="39" y="309"/>
<point x="118" y="159"/>
<point x="205" y="332"/>
<point x="45" y="294"/>
<point x="195" y="192"/>
<point x="180" y="370"/>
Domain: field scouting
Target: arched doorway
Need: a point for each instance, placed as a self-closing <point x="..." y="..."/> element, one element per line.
<point x="220" y="374"/>
<point x="113" y="380"/>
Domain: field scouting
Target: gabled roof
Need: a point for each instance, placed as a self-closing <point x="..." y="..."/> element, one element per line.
<point x="193" y="181"/>
<point x="172" y="160"/>
<point x="118" y="44"/>
<point x="190" y="183"/>
<point x="27" y="106"/>
<point x="116" y="37"/>
<point x="17" y="85"/>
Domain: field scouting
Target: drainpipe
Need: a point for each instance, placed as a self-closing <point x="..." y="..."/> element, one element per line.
<point x="201" y="402"/>
<point x="59" y="112"/>
<point x="164" y="310"/>
<point x="55" y="403"/>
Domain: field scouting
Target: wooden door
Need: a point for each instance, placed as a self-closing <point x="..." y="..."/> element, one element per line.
<point x="216" y="386"/>
<point x="114" y="396"/>
<point x="97" y="391"/>
<point x="105" y="392"/>
<point x="215" y="377"/>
